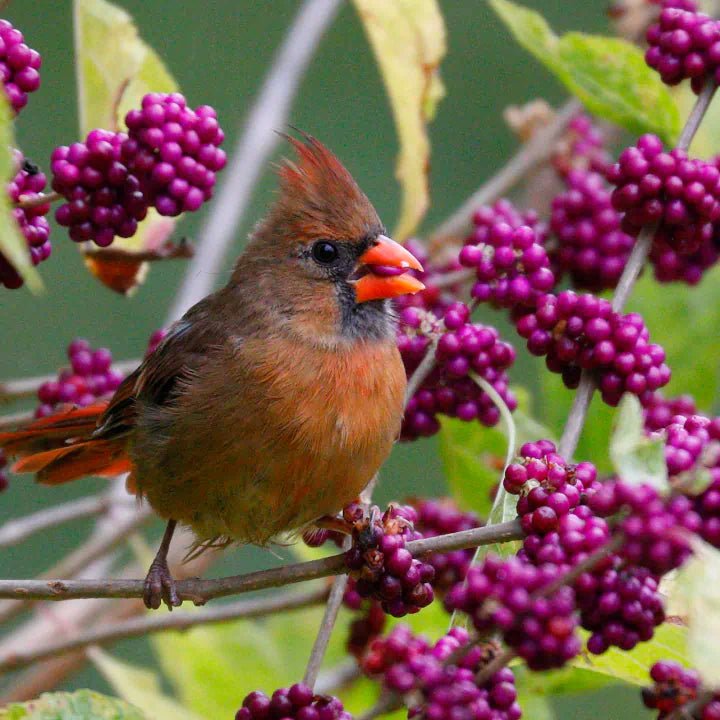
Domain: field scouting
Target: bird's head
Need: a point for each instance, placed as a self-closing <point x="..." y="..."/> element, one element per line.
<point x="322" y="255"/>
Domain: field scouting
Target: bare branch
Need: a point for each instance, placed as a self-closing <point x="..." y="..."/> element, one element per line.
<point x="15" y="531"/>
<point x="258" y="139"/>
<point x="34" y="201"/>
<point x="200" y="591"/>
<point x="161" y="622"/>
<point x="531" y="154"/>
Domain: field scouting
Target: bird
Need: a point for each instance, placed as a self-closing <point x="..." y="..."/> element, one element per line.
<point x="273" y="401"/>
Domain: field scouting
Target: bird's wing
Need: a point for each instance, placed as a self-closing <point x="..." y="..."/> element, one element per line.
<point x="178" y="357"/>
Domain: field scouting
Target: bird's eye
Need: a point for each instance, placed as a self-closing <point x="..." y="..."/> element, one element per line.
<point x="324" y="252"/>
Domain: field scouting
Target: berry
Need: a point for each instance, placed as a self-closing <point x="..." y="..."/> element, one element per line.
<point x="685" y="441"/>
<point x="444" y="690"/>
<point x="155" y="339"/>
<point x="19" y="66"/>
<point x="449" y="389"/>
<point x="27" y="184"/>
<point x="508" y="595"/>
<point x="511" y="266"/>
<point x="672" y="266"/>
<point x="366" y="627"/>
<point x="591" y="247"/>
<point x="383" y="568"/>
<point x="89" y="378"/>
<point x="104" y="199"/>
<point x="298" y="702"/>
<point x="440" y="517"/>
<point x="667" y="189"/>
<point x="174" y="152"/>
<point x="683" y="45"/>
<point x="576" y="332"/>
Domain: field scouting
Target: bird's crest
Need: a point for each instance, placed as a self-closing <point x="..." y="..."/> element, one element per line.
<point x="319" y="196"/>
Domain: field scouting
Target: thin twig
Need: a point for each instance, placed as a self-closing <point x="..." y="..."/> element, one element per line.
<point x="258" y="139"/>
<point x="422" y="370"/>
<point x="329" y="681"/>
<point x="200" y="591"/>
<point x="387" y="703"/>
<point x="161" y="622"/>
<point x="531" y="154"/>
<point x="326" y="627"/>
<point x="183" y="250"/>
<point x="636" y="261"/>
<point x="15" y="531"/>
<point x="12" y="390"/>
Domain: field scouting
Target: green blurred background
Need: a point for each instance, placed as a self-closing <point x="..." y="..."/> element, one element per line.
<point x="219" y="52"/>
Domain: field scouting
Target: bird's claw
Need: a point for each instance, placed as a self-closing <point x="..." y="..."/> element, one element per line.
<point x="160" y="587"/>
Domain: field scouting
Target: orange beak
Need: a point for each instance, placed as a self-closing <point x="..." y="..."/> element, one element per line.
<point x="386" y="263"/>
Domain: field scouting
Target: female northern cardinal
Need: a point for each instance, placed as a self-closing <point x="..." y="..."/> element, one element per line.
<point x="273" y="401"/>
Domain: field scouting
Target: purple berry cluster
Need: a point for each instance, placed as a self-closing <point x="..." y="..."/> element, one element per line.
<point x="673" y="687"/>
<point x="174" y="151"/>
<point x="89" y="378"/>
<point x="686" y="438"/>
<point x="104" y="199"/>
<point x="464" y="348"/>
<point x="684" y="44"/>
<point x="509" y="596"/>
<point x="619" y="604"/>
<point x="27" y="184"/>
<point x="654" y="528"/>
<point x="511" y="265"/>
<point x="368" y="625"/>
<point x="409" y="663"/>
<point x="19" y="66"/>
<point x="383" y="568"/>
<point x="167" y="160"/>
<point x="659" y="411"/>
<point x="591" y="247"/>
<point x="668" y="189"/>
<point x="582" y="148"/>
<point x="440" y="517"/>
<point x="582" y="332"/>
<point x="298" y="702"/>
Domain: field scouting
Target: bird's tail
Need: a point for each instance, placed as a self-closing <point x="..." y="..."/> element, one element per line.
<point x="60" y="448"/>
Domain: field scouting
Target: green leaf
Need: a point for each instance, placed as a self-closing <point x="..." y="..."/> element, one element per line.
<point x="115" y="69"/>
<point x="668" y="643"/>
<point x="80" y="705"/>
<point x="698" y="584"/>
<point x="140" y="687"/>
<point x="610" y="77"/>
<point x="531" y="31"/>
<point x="637" y="458"/>
<point x="472" y="458"/>
<point x="688" y="333"/>
<point x="12" y="243"/>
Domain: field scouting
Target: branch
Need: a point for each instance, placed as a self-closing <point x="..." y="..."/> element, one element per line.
<point x="531" y="154"/>
<point x="14" y="532"/>
<point x="146" y="624"/>
<point x="200" y="591"/>
<point x="34" y="201"/>
<point x="182" y="250"/>
<point x="12" y="390"/>
<point x="258" y="139"/>
<point x="636" y="262"/>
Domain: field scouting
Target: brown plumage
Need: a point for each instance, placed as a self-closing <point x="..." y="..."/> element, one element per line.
<point x="273" y="401"/>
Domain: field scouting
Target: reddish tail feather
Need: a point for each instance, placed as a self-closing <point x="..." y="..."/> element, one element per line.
<point x="59" y="447"/>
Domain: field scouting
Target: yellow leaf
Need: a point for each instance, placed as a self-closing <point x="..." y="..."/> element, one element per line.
<point x="115" y="68"/>
<point x="408" y="39"/>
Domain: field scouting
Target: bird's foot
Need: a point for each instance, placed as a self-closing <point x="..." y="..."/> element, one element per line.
<point x="334" y="523"/>
<point x="160" y="586"/>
